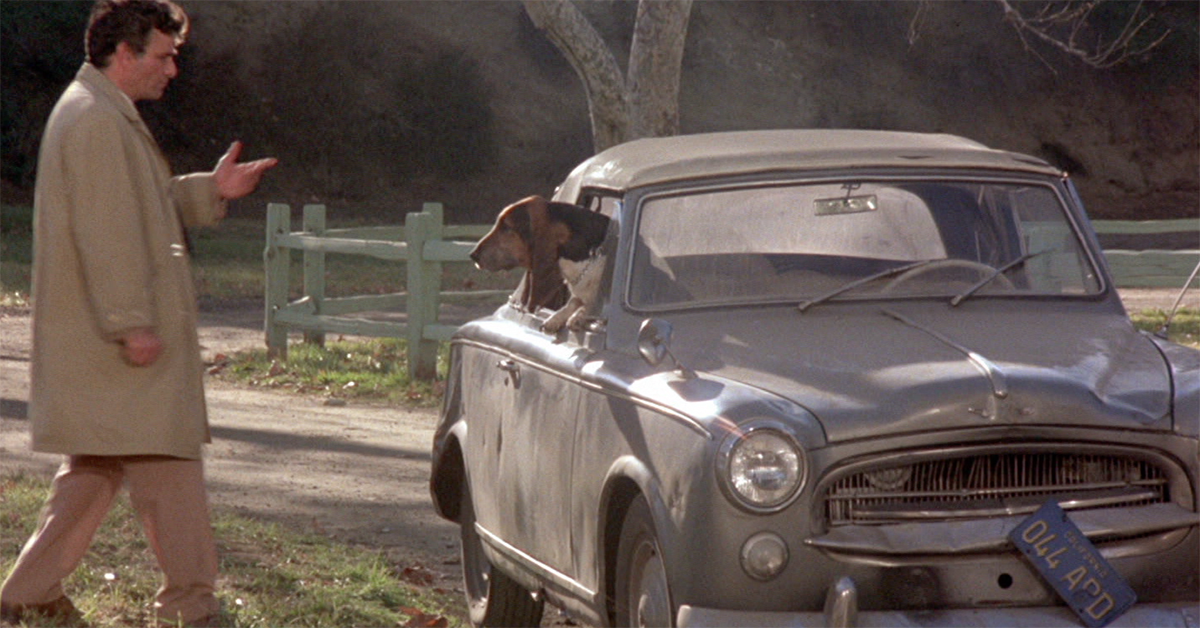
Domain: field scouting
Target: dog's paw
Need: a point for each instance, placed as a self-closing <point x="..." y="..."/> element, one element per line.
<point x="557" y="321"/>
<point x="579" y="321"/>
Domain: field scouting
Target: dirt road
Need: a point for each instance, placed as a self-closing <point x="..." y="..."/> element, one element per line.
<point x="357" y="473"/>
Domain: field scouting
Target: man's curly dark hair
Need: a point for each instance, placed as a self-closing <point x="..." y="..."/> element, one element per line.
<point x="130" y="21"/>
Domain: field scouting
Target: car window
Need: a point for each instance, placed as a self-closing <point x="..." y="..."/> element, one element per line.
<point x="797" y="242"/>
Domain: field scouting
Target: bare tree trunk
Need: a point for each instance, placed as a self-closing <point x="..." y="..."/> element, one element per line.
<point x="647" y="104"/>
<point x="574" y="36"/>
<point x="655" y="65"/>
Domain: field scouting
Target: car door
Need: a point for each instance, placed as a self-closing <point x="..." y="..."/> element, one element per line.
<point x="523" y="412"/>
<point x="527" y="384"/>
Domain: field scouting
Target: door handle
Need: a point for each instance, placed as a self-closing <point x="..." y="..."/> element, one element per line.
<point x="508" y="366"/>
<point x="513" y="369"/>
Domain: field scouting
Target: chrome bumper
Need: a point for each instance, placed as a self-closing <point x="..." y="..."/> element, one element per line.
<point x="841" y="611"/>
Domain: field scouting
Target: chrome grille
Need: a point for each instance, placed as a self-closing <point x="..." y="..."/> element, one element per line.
<point x="991" y="484"/>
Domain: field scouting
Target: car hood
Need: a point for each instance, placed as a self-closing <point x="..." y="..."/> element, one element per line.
<point x="911" y="367"/>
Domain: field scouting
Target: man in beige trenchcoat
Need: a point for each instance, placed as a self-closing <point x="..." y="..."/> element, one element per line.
<point x="116" y="376"/>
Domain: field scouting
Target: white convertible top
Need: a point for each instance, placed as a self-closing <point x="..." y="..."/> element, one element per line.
<point x="663" y="159"/>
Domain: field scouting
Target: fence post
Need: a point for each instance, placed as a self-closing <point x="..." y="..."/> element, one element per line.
<point x="277" y="263"/>
<point x="314" y="268"/>
<point x="424" y="284"/>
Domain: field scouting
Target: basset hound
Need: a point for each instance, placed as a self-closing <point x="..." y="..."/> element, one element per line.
<point x="553" y="242"/>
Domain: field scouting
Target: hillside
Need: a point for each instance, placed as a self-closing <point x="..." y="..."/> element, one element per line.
<point x="378" y="106"/>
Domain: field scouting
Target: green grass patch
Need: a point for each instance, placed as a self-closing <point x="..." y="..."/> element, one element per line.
<point x="1185" y="326"/>
<point x="269" y="575"/>
<point x="373" y="369"/>
<point x="16" y="254"/>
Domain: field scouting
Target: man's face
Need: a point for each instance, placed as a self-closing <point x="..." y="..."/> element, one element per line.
<point x="149" y="73"/>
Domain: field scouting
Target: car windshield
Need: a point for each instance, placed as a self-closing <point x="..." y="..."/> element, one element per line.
<point x="816" y="242"/>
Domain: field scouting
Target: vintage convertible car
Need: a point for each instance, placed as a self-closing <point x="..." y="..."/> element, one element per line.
<point x="830" y="373"/>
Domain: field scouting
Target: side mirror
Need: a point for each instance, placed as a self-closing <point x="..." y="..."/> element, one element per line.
<point x="653" y="343"/>
<point x="653" y="338"/>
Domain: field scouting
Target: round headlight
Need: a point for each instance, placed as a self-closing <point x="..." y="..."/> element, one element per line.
<point x="763" y="468"/>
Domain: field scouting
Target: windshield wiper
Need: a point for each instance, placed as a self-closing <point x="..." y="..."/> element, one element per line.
<point x="804" y="305"/>
<point x="966" y="294"/>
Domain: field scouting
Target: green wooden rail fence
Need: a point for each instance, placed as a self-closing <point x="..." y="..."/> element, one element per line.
<point x="425" y="242"/>
<point x="1150" y="268"/>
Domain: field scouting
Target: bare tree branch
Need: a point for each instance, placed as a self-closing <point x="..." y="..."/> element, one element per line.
<point x="1065" y="26"/>
<point x="655" y="63"/>
<point x="914" y="25"/>
<point x="647" y="102"/>
<point x="603" y="81"/>
<point x="1070" y="26"/>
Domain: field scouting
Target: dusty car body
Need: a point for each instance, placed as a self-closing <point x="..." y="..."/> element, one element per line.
<point x="830" y="372"/>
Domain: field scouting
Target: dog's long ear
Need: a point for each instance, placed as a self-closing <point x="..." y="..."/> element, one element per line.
<point x="517" y="217"/>
<point x="587" y="230"/>
<point x="546" y="282"/>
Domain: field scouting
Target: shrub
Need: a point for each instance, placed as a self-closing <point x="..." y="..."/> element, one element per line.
<point x="42" y="47"/>
<point x="379" y="108"/>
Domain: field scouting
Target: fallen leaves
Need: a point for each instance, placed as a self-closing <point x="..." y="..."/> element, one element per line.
<point x="421" y="619"/>
<point x="417" y="575"/>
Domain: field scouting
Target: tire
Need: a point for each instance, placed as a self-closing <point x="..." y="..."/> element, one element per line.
<point x="493" y="598"/>
<point x="642" y="595"/>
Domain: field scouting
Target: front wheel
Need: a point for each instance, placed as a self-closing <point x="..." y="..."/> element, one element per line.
<point x="493" y="598"/>
<point x="643" y="597"/>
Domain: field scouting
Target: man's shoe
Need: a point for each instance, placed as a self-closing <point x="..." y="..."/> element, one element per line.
<point x="61" y="612"/>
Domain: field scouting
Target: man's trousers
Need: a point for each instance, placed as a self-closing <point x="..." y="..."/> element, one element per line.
<point x="170" y="499"/>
